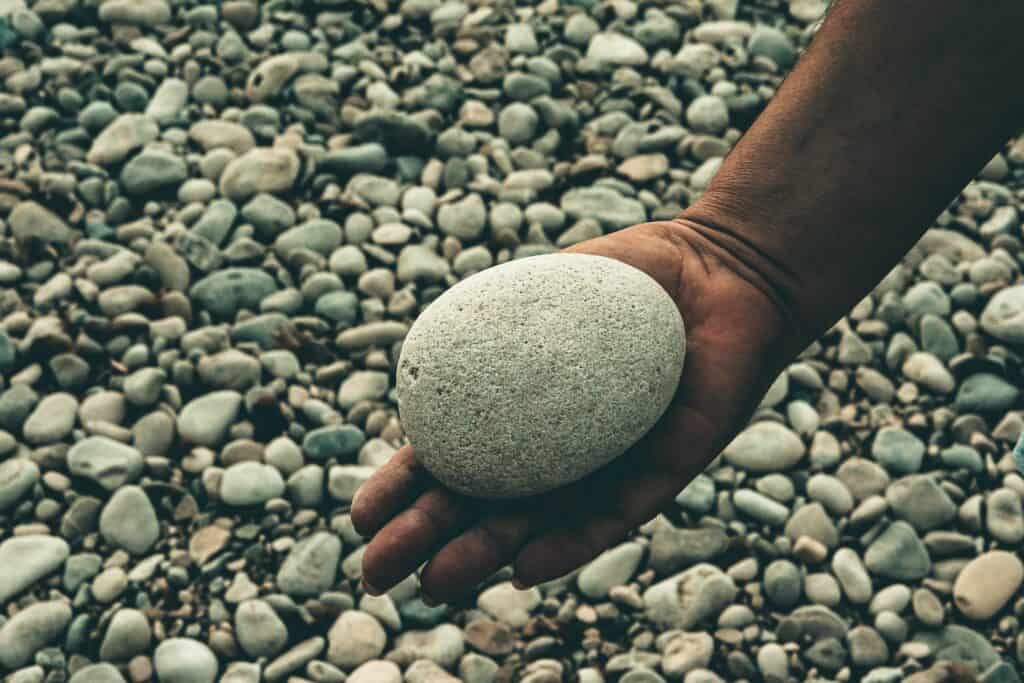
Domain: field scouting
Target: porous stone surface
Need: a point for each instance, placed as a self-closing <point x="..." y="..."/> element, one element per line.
<point x="533" y="374"/>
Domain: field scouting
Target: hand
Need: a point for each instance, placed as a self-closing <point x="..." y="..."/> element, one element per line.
<point x="735" y="321"/>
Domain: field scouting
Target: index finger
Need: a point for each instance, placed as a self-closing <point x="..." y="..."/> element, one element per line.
<point x="392" y="488"/>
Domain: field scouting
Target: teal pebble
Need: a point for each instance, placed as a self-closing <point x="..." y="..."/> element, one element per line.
<point x="333" y="441"/>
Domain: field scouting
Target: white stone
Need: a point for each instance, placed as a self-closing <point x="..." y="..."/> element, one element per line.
<point x="535" y="373"/>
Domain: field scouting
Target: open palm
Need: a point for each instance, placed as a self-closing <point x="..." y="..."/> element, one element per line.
<point x="734" y="327"/>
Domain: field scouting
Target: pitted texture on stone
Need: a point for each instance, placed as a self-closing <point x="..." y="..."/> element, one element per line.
<point x="533" y="374"/>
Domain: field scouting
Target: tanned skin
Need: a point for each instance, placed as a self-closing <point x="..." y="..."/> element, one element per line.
<point x="892" y="110"/>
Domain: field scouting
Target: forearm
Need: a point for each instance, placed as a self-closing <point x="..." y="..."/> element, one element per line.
<point x="894" y="108"/>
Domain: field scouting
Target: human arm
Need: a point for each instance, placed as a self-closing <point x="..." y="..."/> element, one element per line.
<point x="892" y="110"/>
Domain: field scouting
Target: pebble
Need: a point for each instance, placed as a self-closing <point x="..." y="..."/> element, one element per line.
<point x="135" y="12"/>
<point x="898" y="553"/>
<point x="614" y="567"/>
<point x="122" y="136"/>
<point x="898" y="450"/>
<point x="262" y="169"/>
<point x="128" y="634"/>
<point x="443" y="645"/>
<point x="450" y="444"/>
<point x="51" y="420"/>
<point x="690" y="597"/>
<point x="1005" y="516"/>
<point x="97" y="673"/>
<point x="464" y="219"/>
<point x="919" y="500"/>
<point x="225" y="292"/>
<point x="367" y="385"/>
<point x="354" y="639"/>
<point x="1003" y="316"/>
<point x="259" y="630"/>
<point x="508" y="604"/>
<point x="109" y="463"/>
<point x="975" y="593"/>
<point x="765" y="447"/>
<point x="152" y="171"/>
<point x="250" y="483"/>
<point x="30" y="630"/>
<point x="376" y="671"/>
<point x="27" y="559"/>
<point x="852" y="575"/>
<point x="17" y="477"/>
<point x="205" y="420"/>
<point x="129" y="521"/>
<point x="616" y="49"/>
<point x="311" y="564"/>
<point x="184" y="660"/>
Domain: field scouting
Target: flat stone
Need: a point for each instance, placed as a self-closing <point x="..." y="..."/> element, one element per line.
<point x="250" y="483"/>
<point x="128" y="634"/>
<point x="262" y="169"/>
<point x="644" y="167"/>
<point x="311" y="565"/>
<point x="1004" y="516"/>
<point x="443" y="645"/>
<point x="27" y="559"/>
<point x="205" y="421"/>
<point x="333" y="441"/>
<point x="617" y="49"/>
<point x="765" y="447"/>
<point x="135" y="12"/>
<point x="959" y="644"/>
<point x="30" y="630"/>
<point x="610" y="209"/>
<point x="167" y="103"/>
<point x="354" y="639"/>
<point x="152" y="171"/>
<point x="226" y="291"/>
<point x="1003" y="316"/>
<point x="921" y="501"/>
<point x="985" y="393"/>
<point x="129" y="521"/>
<point x="217" y="133"/>
<point x="419" y="263"/>
<point x="689" y="598"/>
<point x="898" y="553"/>
<point x="508" y="604"/>
<point x="365" y="385"/>
<point x="31" y="221"/>
<point x="852" y="576"/>
<point x="897" y="450"/>
<point x="614" y="567"/>
<point x="109" y="463"/>
<point x="259" y="630"/>
<point x="98" y="673"/>
<point x="320" y="235"/>
<point x="122" y="136"/>
<point x="376" y="671"/>
<point x="812" y="520"/>
<point x="184" y="660"/>
<point x="17" y="478"/>
<point x="344" y="480"/>
<point x="529" y="316"/>
<point x="672" y="549"/>
<point x="464" y="219"/>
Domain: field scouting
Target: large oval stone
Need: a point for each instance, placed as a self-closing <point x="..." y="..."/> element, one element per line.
<point x="535" y="373"/>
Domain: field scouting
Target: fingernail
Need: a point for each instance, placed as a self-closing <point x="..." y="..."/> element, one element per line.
<point x="368" y="588"/>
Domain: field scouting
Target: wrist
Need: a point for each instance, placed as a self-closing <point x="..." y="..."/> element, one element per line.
<point x="741" y="249"/>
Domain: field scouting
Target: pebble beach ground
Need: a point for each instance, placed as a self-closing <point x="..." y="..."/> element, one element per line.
<point x="217" y="222"/>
